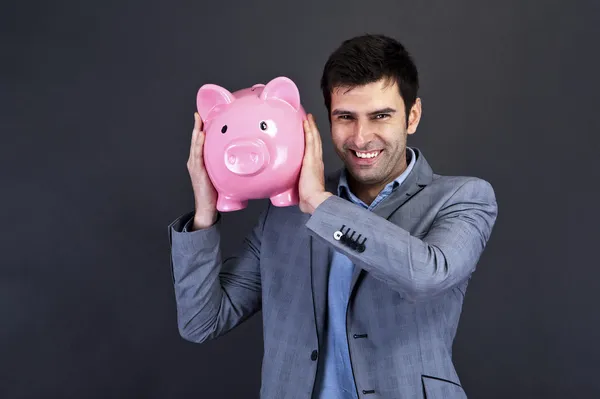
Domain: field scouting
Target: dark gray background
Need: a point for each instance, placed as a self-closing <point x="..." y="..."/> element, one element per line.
<point x="96" y="117"/>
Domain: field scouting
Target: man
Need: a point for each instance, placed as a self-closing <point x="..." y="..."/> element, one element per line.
<point x="361" y="286"/>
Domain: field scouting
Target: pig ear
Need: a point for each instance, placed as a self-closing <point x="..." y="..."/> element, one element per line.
<point x="210" y="97"/>
<point x="282" y="88"/>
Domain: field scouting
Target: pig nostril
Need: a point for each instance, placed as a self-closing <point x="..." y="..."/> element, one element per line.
<point x="254" y="157"/>
<point x="231" y="159"/>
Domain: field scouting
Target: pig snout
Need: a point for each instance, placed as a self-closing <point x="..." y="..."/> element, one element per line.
<point x="246" y="157"/>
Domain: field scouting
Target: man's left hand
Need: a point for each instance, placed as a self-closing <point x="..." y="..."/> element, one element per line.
<point x="311" y="186"/>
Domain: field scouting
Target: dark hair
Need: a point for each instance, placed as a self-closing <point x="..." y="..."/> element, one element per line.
<point x="366" y="59"/>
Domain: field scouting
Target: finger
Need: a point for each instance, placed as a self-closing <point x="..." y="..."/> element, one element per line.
<point x="308" y="134"/>
<point x="316" y="136"/>
<point x="308" y="142"/>
<point x="198" y="124"/>
<point x="199" y="148"/>
<point x="313" y="128"/>
<point x="195" y="131"/>
<point x="198" y="138"/>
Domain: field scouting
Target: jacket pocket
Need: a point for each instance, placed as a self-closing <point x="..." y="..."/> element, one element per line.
<point x="439" y="388"/>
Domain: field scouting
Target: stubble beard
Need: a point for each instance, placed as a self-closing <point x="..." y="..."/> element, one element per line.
<point x="386" y="168"/>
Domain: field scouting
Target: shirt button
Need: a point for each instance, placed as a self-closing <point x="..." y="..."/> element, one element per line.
<point x="314" y="355"/>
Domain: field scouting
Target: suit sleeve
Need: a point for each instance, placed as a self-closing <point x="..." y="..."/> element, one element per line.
<point x="418" y="268"/>
<point x="213" y="295"/>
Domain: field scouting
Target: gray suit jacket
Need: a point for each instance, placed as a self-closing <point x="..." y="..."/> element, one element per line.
<point x="422" y="244"/>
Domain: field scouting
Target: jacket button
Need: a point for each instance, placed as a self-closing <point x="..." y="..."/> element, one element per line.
<point x="314" y="355"/>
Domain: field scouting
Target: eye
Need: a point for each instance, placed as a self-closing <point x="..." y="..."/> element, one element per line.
<point x="263" y="125"/>
<point x="224" y="129"/>
<point x="382" y="116"/>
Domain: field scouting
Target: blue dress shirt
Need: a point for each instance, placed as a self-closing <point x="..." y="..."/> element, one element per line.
<point x="335" y="379"/>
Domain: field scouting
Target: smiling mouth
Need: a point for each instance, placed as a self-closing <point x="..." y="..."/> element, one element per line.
<point x="366" y="155"/>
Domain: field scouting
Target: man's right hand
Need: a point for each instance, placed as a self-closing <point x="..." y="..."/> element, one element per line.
<point x="205" y="194"/>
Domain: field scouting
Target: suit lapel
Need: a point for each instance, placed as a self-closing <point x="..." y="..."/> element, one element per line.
<point x="419" y="177"/>
<point x="320" y="261"/>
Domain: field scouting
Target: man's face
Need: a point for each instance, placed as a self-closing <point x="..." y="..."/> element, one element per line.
<point x="369" y="130"/>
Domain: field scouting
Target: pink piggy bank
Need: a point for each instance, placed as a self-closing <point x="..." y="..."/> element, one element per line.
<point x="254" y="142"/>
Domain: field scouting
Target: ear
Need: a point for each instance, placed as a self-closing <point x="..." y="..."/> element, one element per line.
<point x="209" y="97"/>
<point x="284" y="89"/>
<point x="414" y="117"/>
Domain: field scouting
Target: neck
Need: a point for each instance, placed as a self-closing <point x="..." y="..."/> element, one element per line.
<point x="365" y="193"/>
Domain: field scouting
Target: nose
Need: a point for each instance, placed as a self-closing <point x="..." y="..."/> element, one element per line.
<point x="246" y="157"/>
<point x="361" y="134"/>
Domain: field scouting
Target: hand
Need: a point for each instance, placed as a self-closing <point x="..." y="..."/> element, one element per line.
<point x="205" y="194"/>
<point x="311" y="185"/>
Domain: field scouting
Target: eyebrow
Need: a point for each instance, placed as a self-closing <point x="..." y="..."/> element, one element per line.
<point x="386" y="110"/>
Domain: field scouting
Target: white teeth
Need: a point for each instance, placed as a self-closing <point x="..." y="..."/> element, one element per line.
<point x="366" y="154"/>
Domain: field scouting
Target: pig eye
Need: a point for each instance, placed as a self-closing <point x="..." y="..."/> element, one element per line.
<point x="263" y="125"/>
<point x="224" y="129"/>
